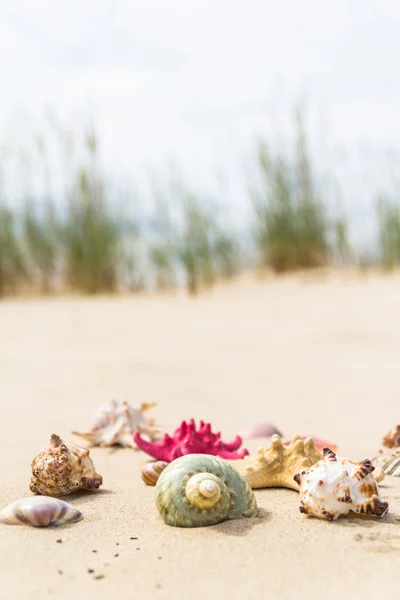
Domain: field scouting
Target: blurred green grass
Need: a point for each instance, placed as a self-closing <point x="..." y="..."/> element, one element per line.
<point x="83" y="243"/>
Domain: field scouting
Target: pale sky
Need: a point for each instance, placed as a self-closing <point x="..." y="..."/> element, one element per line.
<point x="199" y="80"/>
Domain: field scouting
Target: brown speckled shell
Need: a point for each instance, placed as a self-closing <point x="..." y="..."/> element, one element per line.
<point x="62" y="468"/>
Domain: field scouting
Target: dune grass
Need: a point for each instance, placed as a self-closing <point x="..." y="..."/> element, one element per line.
<point x="90" y="238"/>
<point x="291" y="226"/>
<point x="40" y="239"/>
<point x="13" y="264"/>
<point x="81" y="242"/>
<point x="389" y="232"/>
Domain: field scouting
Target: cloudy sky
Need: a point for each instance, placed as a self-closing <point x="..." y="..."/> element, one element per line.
<point x="198" y="80"/>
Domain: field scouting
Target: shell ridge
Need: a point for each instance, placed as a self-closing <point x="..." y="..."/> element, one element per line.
<point x="222" y="505"/>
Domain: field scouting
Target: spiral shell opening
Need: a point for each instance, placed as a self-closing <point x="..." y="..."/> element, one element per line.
<point x="204" y="490"/>
<point x="208" y="489"/>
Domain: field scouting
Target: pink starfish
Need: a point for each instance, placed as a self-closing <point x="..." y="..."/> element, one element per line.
<point x="186" y="440"/>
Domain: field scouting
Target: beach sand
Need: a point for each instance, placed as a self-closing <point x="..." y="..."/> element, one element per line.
<point x="314" y="356"/>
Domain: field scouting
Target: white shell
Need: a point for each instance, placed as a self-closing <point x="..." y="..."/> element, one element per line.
<point x="115" y="422"/>
<point x="335" y="486"/>
<point x="40" y="511"/>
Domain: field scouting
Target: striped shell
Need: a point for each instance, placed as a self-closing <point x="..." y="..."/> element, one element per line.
<point x="40" y="511"/>
<point x="389" y="462"/>
<point x="152" y="471"/>
<point x="197" y="490"/>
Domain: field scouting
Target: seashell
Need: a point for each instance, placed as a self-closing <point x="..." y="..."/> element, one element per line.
<point x="392" y="439"/>
<point x="40" y="511"/>
<point x="276" y="465"/>
<point x="260" y="430"/>
<point x="63" y="468"/>
<point x="388" y="462"/>
<point x="319" y="443"/>
<point x="335" y="486"/>
<point x="379" y="475"/>
<point x="152" y="471"/>
<point x="199" y="490"/>
<point x="187" y="440"/>
<point x="115" y="422"/>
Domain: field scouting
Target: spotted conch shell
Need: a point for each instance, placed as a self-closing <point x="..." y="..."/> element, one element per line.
<point x="62" y="468"/>
<point x="276" y="465"/>
<point x="197" y="490"/>
<point x="335" y="486"/>
<point x="115" y="422"/>
<point x="40" y="511"/>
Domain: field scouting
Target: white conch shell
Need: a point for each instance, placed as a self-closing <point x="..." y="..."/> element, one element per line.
<point x="115" y="422"/>
<point x="40" y="511"/>
<point x="276" y="465"/>
<point x="335" y="486"/>
<point x="62" y="468"/>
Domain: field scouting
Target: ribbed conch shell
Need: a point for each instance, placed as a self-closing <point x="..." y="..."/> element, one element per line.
<point x="40" y="511"/>
<point x="335" y="486"/>
<point x="388" y="462"/>
<point x="152" y="471"/>
<point x="276" y="465"/>
<point x="115" y="422"/>
<point x="62" y="468"/>
<point x="197" y="490"/>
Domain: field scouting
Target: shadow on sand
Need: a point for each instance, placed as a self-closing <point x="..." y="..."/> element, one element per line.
<point x="241" y="527"/>
<point x="84" y="496"/>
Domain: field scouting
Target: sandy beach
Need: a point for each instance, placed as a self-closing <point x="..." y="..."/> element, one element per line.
<point x="314" y="356"/>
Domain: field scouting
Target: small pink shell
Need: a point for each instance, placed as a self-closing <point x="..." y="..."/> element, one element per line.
<point x="260" y="430"/>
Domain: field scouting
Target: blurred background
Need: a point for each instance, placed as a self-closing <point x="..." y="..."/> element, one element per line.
<point x="161" y="145"/>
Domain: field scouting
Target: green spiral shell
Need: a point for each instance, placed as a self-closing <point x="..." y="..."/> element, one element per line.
<point x="198" y="490"/>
